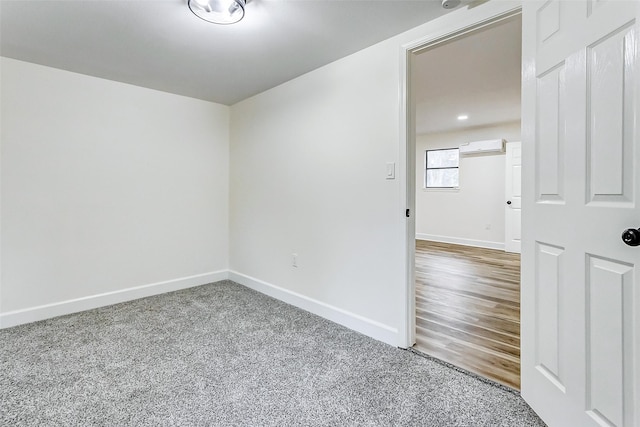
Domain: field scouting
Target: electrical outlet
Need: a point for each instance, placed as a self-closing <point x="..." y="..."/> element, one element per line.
<point x="294" y="260"/>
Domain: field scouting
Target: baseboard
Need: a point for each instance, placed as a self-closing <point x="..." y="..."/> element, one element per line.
<point x="459" y="241"/>
<point x="345" y="318"/>
<point x="358" y="323"/>
<point x="33" y="314"/>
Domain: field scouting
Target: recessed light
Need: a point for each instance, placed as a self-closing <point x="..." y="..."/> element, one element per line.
<point x="463" y="117"/>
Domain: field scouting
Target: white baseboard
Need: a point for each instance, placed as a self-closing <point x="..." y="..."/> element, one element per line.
<point x="459" y="241"/>
<point x="361" y="324"/>
<point x="345" y="318"/>
<point x="33" y="314"/>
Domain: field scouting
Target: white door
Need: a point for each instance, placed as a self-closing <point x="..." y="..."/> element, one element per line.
<point x="513" y="197"/>
<point x="581" y="186"/>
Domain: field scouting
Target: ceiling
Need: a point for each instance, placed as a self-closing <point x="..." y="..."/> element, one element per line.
<point x="161" y="45"/>
<point x="478" y="75"/>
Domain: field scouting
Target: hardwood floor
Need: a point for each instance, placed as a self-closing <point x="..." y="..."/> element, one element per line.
<point x="468" y="308"/>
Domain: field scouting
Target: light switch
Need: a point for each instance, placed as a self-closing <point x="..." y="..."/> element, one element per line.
<point x="391" y="170"/>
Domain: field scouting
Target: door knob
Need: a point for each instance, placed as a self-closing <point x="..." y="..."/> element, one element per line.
<point x="508" y="202"/>
<point x="631" y="237"/>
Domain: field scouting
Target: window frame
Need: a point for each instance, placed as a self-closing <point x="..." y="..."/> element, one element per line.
<point x="427" y="169"/>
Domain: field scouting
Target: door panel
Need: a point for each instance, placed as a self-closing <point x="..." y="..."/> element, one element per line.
<point x="609" y="100"/>
<point x="608" y="282"/>
<point x="581" y="149"/>
<point x="513" y="194"/>
<point x="550" y="142"/>
<point x="549" y="263"/>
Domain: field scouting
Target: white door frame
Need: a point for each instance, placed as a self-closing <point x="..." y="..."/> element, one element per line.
<point x="461" y="23"/>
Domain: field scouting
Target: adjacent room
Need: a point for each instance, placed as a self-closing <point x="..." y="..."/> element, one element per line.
<point x="467" y="94"/>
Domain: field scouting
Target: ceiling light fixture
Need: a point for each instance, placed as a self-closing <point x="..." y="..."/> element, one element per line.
<point x="218" y="11"/>
<point x="463" y="117"/>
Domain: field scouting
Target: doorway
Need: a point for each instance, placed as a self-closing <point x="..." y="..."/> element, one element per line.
<point x="467" y="286"/>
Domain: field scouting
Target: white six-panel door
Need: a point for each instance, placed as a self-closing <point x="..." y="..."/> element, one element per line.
<point x="513" y="196"/>
<point x="581" y="182"/>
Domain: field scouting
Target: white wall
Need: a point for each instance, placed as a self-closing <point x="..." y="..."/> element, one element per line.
<point x="475" y="213"/>
<point x="106" y="187"/>
<point x="308" y="177"/>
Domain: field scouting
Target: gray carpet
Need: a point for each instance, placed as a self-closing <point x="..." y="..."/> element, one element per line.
<point x="222" y="354"/>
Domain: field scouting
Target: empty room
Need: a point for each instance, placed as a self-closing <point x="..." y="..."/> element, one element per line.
<point x="468" y="200"/>
<point x="209" y="212"/>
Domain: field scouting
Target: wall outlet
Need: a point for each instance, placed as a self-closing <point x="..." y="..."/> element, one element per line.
<point x="294" y="260"/>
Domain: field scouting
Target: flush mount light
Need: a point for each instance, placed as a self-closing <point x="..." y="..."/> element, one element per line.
<point x="463" y="117"/>
<point x="218" y="11"/>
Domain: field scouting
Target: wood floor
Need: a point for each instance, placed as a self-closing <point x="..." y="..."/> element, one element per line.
<point x="468" y="308"/>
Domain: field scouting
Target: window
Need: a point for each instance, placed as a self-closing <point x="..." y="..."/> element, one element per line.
<point x="441" y="168"/>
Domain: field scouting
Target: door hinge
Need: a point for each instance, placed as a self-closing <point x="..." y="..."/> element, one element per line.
<point x="407" y="213"/>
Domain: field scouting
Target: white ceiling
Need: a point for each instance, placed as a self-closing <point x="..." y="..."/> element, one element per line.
<point x="160" y="44"/>
<point x="478" y="75"/>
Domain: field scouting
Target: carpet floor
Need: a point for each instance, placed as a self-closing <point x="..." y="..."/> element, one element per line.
<point x="224" y="355"/>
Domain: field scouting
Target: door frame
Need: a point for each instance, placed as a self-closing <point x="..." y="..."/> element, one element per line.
<point x="454" y="25"/>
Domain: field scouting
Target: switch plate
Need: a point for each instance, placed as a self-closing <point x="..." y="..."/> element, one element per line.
<point x="391" y="170"/>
